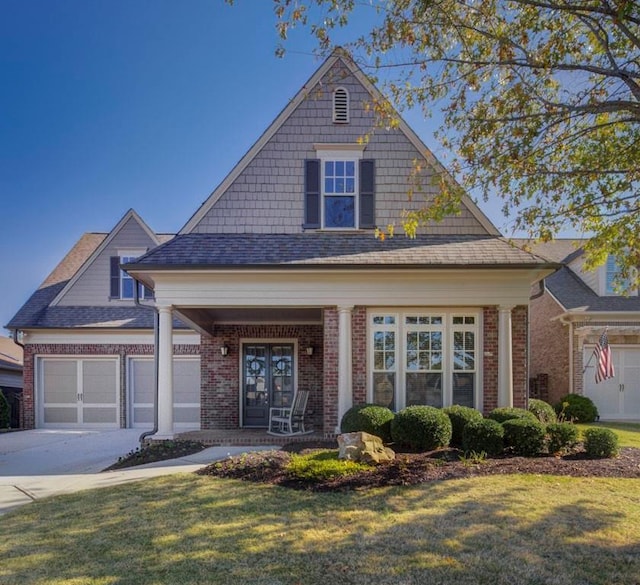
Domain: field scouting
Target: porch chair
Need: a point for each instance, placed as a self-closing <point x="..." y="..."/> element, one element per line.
<point x="290" y="420"/>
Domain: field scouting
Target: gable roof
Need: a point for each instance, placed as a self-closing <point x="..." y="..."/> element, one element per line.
<point x="131" y="214"/>
<point x="56" y="281"/>
<point x="568" y="288"/>
<point x="341" y="55"/>
<point x="41" y="311"/>
<point x="334" y="250"/>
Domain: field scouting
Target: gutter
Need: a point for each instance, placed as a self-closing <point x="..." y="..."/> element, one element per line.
<point x="156" y="364"/>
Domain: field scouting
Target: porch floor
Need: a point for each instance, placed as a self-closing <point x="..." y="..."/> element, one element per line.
<point x="247" y="437"/>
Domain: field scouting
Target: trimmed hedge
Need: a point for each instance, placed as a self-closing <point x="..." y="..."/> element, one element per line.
<point x="600" y="443"/>
<point x="422" y="428"/>
<point x="561" y="437"/>
<point x="460" y="416"/>
<point x="504" y="413"/>
<point x="577" y="408"/>
<point x="483" y="435"/>
<point x="525" y="436"/>
<point x="542" y="410"/>
<point x="369" y="418"/>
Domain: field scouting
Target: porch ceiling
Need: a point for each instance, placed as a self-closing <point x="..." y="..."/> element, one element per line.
<point x="206" y="318"/>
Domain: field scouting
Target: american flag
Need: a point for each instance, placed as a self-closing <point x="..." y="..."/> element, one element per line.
<point x="604" y="360"/>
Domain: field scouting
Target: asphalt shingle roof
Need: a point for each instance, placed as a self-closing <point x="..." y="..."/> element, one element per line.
<point x="333" y="250"/>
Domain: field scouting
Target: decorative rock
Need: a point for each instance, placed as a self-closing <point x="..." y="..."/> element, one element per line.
<point x="364" y="448"/>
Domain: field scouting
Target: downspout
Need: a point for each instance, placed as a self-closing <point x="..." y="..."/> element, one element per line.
<point x="15" y="338"/>
<point x="156" y="365"/>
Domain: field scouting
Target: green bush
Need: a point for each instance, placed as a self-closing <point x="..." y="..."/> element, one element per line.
<point x="525" y="436"/>
<point x="600" y="443"/>
<point x="369" y="418"/>
<point x="422" y="428"/>
<point x="5" y="412"/>
<point x="561" y="437"/>
<point x="460" y="416"/>
<point x="542" y="410"/>
<point x="505" y="413"/>
<point x="577" y="408"/>
<point x="322" y="465"/>
<point x="483" y="435"/>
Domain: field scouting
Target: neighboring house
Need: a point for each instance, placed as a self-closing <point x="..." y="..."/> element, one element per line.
<point x="278" y="283"/>
<point x="568" y="314"/>
<point x="11" y="360"/>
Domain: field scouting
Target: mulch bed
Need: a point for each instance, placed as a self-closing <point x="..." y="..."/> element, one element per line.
<point x="415" y="468"/>
<point x="160" y="451"/>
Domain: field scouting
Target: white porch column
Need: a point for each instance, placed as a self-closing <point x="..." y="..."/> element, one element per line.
<point x="165" y="374"/>
<point x="345" y="394"/>
<point x="505" y="357"/>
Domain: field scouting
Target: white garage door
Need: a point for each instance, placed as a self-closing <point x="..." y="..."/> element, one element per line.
<point x="186" y="392"/>
<point x="78" y="392"/>
<point x="618" y="397"/>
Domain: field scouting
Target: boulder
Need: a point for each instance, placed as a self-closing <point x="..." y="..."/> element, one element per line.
<point x="364" y="448"/>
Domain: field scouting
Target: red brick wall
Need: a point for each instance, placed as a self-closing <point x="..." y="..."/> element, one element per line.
<point x="519" y="335"/>
<point x="220" y="375"/>
<point x="330" y="373"/>
<point x="359" y="354"/>
<point x="490" y="363"/>
<point x="549" y="346"/>
<point x="122" y="351"/>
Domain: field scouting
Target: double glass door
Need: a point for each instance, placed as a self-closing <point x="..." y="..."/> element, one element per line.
<point x="267" y="380"/>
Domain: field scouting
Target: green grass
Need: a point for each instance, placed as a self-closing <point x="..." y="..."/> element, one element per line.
<point x="628" y="433"/>
<point x="187" y="529"/>
<point x="322" y="465"/>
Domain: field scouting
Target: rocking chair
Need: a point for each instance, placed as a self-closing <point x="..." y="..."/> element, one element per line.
<point x="290" y="420"/>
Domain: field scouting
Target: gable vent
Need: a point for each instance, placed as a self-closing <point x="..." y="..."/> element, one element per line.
<point x="341" y="106"/>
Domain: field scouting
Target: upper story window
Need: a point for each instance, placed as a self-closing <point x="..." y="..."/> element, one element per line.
<point x="612" y="283"/>
<point x="341" y="106"/>
<point x="339" y="193"/>
<point x="122" y="284"/>
<point x="339" y="188"/>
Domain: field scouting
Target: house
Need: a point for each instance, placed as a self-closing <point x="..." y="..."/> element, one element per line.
<point x="11" y="363"/>
<point x="277" y="283"/>
<point x="570" y="309"/>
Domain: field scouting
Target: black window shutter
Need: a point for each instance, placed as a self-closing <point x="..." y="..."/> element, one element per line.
<point x="311" y="193"/>
<point x="367" y="194"/>
<point x="115" y="277"/>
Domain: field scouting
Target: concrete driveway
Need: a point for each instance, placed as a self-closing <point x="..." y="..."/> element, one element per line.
<point x="42" y="463"/>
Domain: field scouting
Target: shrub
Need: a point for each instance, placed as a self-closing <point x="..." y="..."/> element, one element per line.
<point x="505" y="413"/>
<point x="542" y="410"/>
<point x="422" y="428"/>
<point x="561" y="437"/>
<point x="369" y="418"/>
<point x="525" y="436"/>
<point x="322" y="465"/>
<point x="577" y="408"/>
<point x="483" y="435"/>
<point x="600" y="443"/>
<point x="5" y="412"/>
<point x="460" y="416"/>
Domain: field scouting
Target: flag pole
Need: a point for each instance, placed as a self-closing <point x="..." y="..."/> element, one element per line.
<point x="606" y="328"/>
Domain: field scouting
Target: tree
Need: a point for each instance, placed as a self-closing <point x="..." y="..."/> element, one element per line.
<point x="540" y="102"/>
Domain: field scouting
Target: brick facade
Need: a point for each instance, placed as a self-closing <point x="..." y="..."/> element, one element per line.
<point x="221" y="378"/>
<point x="31" y="351"/>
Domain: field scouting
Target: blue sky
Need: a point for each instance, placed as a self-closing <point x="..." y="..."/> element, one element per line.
<point x="108" y="105"/>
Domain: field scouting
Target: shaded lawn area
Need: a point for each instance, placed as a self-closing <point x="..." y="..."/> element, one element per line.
<point x="187" y="529"/>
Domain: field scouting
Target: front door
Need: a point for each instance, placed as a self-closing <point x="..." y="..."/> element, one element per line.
<point x="267" y="380"/>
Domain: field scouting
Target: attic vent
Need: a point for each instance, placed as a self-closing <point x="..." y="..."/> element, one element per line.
<point x="341" y="106"/>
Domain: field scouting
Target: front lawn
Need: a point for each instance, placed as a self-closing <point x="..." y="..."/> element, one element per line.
<point x="628" y="433"/>
<point x="187" y="529"/>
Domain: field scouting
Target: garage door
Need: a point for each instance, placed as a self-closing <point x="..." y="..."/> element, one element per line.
<point x="618" y="397"/>
<point x="186" y="392"/>
<point x="82" y="392"/>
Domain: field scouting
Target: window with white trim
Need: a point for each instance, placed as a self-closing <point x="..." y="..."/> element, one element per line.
<point x="122" y="284"/>
<point x="339" y="187"/>
<point x="613" y="285"/>
<point x="419" y="357"/>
